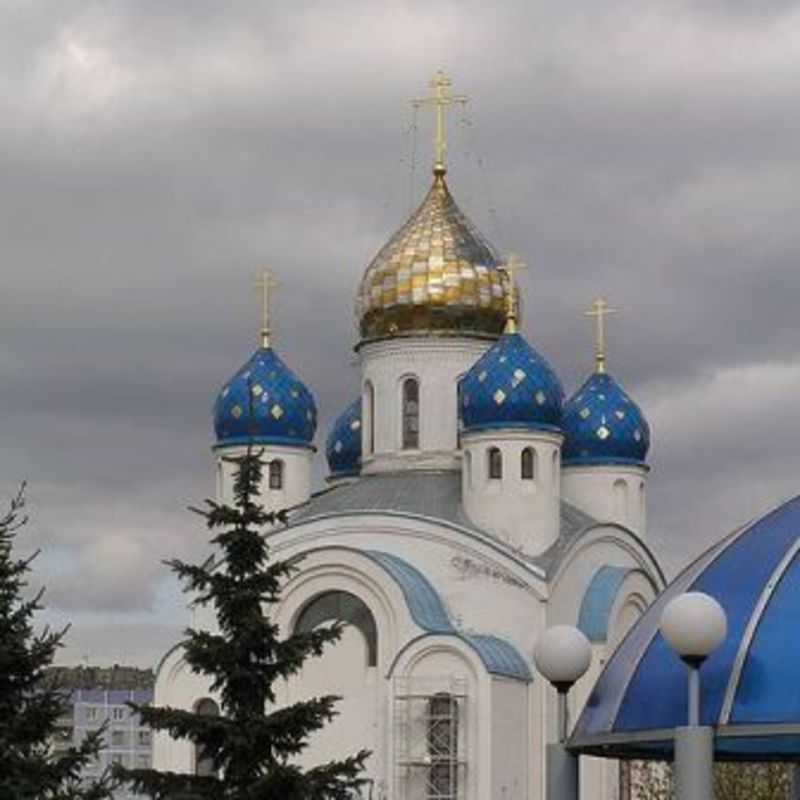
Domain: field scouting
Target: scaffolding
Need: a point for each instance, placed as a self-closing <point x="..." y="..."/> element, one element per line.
<point x="430" y="738"/>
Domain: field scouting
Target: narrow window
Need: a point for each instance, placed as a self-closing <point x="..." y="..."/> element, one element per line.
<point x="276" y="474"/>
<point x="204" y="765"/>
<point x="528" y="465"/>
<point x="495" y="464"/>
<point x="468" y="467"/>
<point x="410" y="414"/>
<point x="621" y="499"/>
<point x="443" y="747"/>
<point x="369" y="409"/>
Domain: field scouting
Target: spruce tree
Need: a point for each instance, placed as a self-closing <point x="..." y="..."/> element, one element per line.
<point x="31" y="701"/>
<point x="252" y="743"/>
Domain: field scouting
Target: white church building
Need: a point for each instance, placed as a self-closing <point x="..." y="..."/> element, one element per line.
<point x="470" y="506"/>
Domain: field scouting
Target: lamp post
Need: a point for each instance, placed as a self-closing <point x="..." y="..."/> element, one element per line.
<point x="562" y="655"/>
<point x="694" y="625"/>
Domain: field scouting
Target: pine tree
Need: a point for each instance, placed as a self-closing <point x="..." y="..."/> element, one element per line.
<point x="30" y="701"/>
<point x="251" y="743"/>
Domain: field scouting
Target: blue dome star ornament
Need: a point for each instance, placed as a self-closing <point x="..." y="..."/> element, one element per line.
<point x="602" y="424"/>
<point x="265" y="402"/>
<point x="511" y="385"/>
<point x="343" y="449"/>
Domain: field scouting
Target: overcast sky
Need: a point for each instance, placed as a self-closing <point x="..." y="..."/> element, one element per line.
<point x="154" y="155"/>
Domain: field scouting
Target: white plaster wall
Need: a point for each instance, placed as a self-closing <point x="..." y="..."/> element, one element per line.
<point x="522" y="513"/>
<point x="296" y="474"/>
<point x="437" y="363"/>
<point x="511" y="745"/>
<point x="609" y="493"/>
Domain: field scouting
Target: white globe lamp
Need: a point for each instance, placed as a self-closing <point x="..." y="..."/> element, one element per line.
<point x="694" y="626"/>
<point x="563" y="655"/>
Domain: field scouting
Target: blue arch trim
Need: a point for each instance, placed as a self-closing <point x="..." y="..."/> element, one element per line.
<point x="498" y="656"/>
<point x="423" y="601"/>
<point x="598" y="600"/>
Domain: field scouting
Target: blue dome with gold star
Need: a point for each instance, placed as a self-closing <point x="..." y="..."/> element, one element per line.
<point x="511" y="386"/>
<point x="265" y="403"/>
<point x="343" y="448"/>
<point x="602" y="425"/>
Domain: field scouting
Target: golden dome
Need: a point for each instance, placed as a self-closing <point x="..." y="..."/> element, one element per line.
<point x="436" y="275"/>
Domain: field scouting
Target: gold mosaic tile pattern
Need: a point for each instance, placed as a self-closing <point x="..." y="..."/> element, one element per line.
<point x="437" y="273"/>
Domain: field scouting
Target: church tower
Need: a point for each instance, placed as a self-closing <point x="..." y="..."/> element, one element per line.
<point x="607" y="439"/>
<point x="428" y="306"/>
<point x="511" y="410"/>
<point x="265" y="405"/>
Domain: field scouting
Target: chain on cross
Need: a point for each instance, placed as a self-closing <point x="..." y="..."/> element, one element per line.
<point x="265" y="284"/>
<point x="600" y="310"/>
<point x="440" y="100"/>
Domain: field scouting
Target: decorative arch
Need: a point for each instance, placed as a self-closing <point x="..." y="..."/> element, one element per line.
<point x="343" y="607"/>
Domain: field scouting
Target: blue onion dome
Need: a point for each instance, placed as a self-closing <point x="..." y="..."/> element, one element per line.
<point x="511" y="385"/>
<point x="602" y="425"/>
<point x="343" y="448"/>
<point x="749" y="683"/>
<point x="265" y="403"/>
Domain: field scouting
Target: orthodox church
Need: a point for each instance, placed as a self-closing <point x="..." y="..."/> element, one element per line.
<point x="469" y="507"/>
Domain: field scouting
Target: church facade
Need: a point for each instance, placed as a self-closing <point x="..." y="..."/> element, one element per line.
<point x="470" y="506"/>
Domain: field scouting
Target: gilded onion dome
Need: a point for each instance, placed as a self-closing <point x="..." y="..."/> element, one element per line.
<point x="436" y="275"/>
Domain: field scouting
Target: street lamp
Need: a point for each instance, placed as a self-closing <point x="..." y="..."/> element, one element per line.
<point x="563" y="655"/>
<point x="694" y="625"/>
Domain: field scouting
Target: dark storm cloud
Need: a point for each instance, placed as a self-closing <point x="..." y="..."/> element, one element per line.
<point x="154" y="156"/>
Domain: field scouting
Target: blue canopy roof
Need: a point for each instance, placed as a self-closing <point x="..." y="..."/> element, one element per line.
<point x="749" y="687"/>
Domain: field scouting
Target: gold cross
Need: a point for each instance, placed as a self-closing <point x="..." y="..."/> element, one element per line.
<point x="440" y="100"/>
<point x="265" y="284"/>
<point x="513" y="265"/>
<point x="600" y="310"/>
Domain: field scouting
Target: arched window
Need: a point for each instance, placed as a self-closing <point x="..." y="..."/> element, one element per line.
<point x="410" y="414"/>
<point x="203" y="765"/>
<point x="276" y="474"/>
<point x="369" y="414"/>
<point x="443" y="747"/>
<point x="345" y="608"/>
<point x="495" y="458"/>
<point x="528" y="464"/>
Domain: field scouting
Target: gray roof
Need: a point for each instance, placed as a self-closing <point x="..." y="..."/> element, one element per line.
<point x="432" y="495"/>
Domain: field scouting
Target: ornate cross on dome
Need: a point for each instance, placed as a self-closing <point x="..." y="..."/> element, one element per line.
<point x="600" y="310"/>
<point x="265" y="284"/>
<point x="513" y="265"/>
<point x="440" y="101"/>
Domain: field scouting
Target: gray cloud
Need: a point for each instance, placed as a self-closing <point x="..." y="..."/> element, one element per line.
<point x="155" y="155"/>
